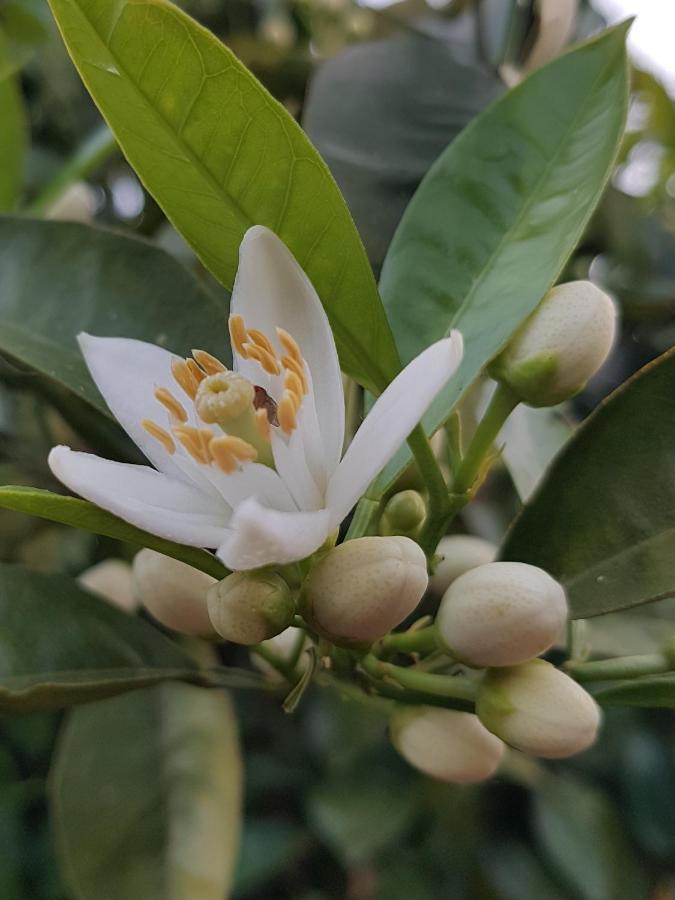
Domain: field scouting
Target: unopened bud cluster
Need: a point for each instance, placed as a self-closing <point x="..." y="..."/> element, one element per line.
<point x="560" y="347"/>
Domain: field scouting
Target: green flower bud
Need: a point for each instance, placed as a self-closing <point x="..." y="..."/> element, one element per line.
<point x="403" y="514"/>
<point x="172" y="592"/>
<point x="561" y="346"/>
<point x="112" y="580"/>
<point x="445" y="744"/>
<point x="459" y="553"/>
<point x="362" y="589"/>
<point x="501" y="614"/>
<point x="250" y="607"/>
<point x="538" y="709"/>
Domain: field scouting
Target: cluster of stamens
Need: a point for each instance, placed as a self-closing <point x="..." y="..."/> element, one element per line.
<point x="253" y="344"/>
<point x="202" y="375"/>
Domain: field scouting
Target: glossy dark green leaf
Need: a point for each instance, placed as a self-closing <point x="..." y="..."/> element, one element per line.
<point x="381" y="112"/>
<point x="58" y="278"/>
<point x="83" y="514"/>
<point x="582" y="834"/>
<point x="146" y="796"/>
<point x="492" y="224"/>
<point x="60" y="645"/>
<point x="14" y="131"/>
<point x="220" y="154"/>
<point x="603" y="520"/>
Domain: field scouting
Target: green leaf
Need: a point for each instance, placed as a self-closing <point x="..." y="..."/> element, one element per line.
<point x="220" y="154"/>
<point x="14" y="131"/>
<point x="360" y="816"/>
<point x="380" y="113"/>
<point x="58" y="278"/>
<point x="60" y="645"/>
<point x="603" y="521"/>
<point x="146" y="796"/>
<point x="517" y="874"/>
<point x="492" y="224"/>
<point x="652" y="691"/>
<point x="268" y="847"/>
<point x="567" y="814"/>
<point x="83" y="514"/>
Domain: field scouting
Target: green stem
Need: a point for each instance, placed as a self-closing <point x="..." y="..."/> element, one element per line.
<point x="620" y="667"/>
<point x="424" y="640"/>
<point x="501" y="406"/>
<point x="439" y="507"/>
<point x="455" y="687"/>
<point x="363" y="519"/>
<point x="274" y="660"/>
<point x="93" y="152"/>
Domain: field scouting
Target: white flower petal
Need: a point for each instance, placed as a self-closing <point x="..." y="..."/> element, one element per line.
<point x="252" y="480"/>
<point x="148" y="499"/>
<point x="271" y="290"/>
<point x="261" y="536"/>
<point x="126" y="373"/>
<point x="393" y="416"/>
<point x="289" y="459"/>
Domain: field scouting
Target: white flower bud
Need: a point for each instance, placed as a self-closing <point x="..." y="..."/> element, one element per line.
<point x="561" y="346"/>
<point x="362" y="589"/>
<point x="172" y="592"/>
<point x="501" y="614"/>
<point x="448" y="745"/>
<point x="538" y="709"/>
<point x="111" y="580"/>
<point x="250" y="607"/>
<point x="403" y="514"/>
<point x="459" y="552"/>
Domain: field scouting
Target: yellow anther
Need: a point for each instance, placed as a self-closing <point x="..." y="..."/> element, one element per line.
<point x="290" y="345"/>
<point x="292" y="365"/>
<point x="262" y="423"/>
<point x="266" y="360"/>
<point x="193" y="441"/>
<point x="239" y="448"/>
<point x="184" y="377"/>
<point x="238" y="334"/>
<point x="261" y="340"/>
<point x="294" y="384"/>
<point x="286" y="412"/>
<point x="160" y="435"/>
<point x="197" y="373"/>
<point x="208" y="363"/>
<point x="225" y="460"/>
<point x="175" y="407"/>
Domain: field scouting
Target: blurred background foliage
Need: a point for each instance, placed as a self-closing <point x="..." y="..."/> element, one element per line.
<point x="331" y="810"/>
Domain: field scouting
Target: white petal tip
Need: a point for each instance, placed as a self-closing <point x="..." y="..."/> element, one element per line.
<point x="56" y="457"/>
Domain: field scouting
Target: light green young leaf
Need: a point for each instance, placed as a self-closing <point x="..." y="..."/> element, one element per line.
<point x="602" y="521"/>
<point x="492" y="224"/>
<point x="146" y="796"/>
<point x="220" y="154"/>
<point x="83" y="514"/>
<point x="14" y="131"/>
